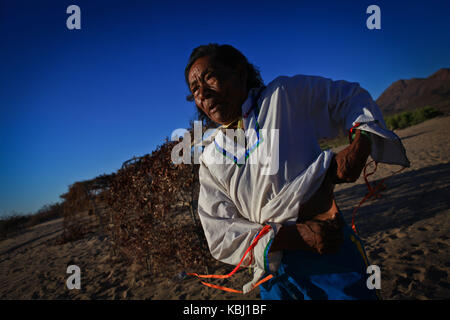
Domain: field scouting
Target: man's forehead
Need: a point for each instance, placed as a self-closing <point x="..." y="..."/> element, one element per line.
<point x="199" y="65"/>
<point x="203" y="65"/>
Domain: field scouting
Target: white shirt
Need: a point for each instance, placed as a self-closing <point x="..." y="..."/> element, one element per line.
<point x="237" y="198"/>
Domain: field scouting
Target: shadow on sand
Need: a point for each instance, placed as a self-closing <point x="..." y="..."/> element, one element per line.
<point x="409" y="197"/>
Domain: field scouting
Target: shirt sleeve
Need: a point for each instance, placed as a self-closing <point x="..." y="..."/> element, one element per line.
<point x="336" y="106"/>
<point x="228" y="234"/>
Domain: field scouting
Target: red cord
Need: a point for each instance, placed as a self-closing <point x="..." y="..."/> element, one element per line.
<point x="373" y="190"/>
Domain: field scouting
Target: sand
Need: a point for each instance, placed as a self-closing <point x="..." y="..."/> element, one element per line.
<point x="405" y="233"/>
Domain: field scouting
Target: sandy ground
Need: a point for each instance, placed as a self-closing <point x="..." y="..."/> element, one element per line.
<point x="405" y="231"/>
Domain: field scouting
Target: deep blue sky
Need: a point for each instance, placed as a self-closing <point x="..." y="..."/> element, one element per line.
<point x="77" y="103"/>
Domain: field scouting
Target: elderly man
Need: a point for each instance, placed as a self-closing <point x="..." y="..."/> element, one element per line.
<point x="284" y="224"/>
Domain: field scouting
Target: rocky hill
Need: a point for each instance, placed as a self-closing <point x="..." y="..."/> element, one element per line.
<point x="415" y="93"/>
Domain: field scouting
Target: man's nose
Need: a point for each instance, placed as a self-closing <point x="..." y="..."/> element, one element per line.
<point x="203" y="92"/>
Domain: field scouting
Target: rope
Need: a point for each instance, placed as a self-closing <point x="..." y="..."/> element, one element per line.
<point x="264" y="230"/>
<point x="374" y="191"/>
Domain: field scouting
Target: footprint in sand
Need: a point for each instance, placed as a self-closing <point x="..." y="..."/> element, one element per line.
<point x="442" y="245"/>
<point x="417" y="273"/>
<point x="375" y="253"/>
<point x="393" y="236"/>
<point x="418" y="252"/>
<point x="406" y="258"/>
<point x="402" y="284"/>
<point x="444" y="284"/>
<point x="435" y="274"/>
<point x="183" y="296"/>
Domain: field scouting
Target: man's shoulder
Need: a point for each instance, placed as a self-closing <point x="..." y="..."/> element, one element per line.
<point x="294" y="81"/>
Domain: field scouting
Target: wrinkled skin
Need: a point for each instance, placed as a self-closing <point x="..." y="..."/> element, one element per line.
<point x="218" y="90"/>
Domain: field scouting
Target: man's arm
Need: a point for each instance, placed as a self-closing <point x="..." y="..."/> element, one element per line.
<point x="351" y="161"/>
<point x="319" y="230"/>
<point x="336" y="106"/>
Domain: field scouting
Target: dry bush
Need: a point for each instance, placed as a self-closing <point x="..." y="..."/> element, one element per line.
<point x="84" y="197"/>
<point x="153" y="218"/>
<point x="12" y="224"/>
<point x="46" y="213"/>
<point x="150" y="213"/>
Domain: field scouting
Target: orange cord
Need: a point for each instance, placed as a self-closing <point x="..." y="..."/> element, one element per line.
<point x="264" y="230"/>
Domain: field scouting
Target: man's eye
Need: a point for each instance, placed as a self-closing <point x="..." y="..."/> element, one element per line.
<point x="211" y="77"/>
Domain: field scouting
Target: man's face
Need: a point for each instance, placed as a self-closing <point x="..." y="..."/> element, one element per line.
<point x="217" y="90"/>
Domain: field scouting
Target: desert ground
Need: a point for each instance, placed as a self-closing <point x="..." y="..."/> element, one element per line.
<point x="406" y="233"/>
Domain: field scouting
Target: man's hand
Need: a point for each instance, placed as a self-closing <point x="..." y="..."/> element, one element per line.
<point x="351" y="161"/>
<point x="320" y="236"/>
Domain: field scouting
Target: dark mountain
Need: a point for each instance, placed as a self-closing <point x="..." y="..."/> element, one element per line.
<point x="415" y="93"/>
